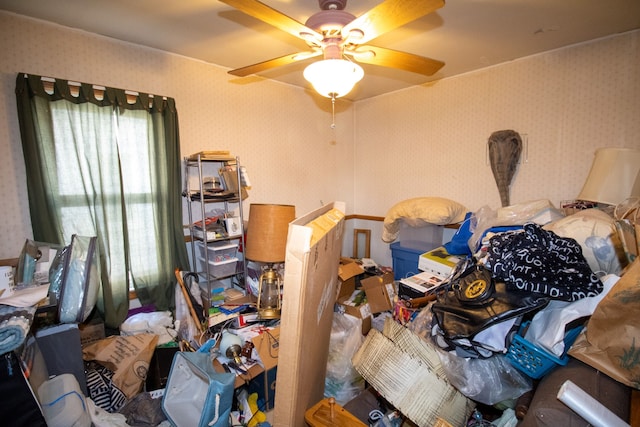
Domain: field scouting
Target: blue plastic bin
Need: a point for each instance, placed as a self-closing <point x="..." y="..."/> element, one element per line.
<point x="405" y="260"/>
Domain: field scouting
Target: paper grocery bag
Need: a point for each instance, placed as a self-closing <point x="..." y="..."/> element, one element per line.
<point x="127" y="356"/>
<point x="611" y="341"/>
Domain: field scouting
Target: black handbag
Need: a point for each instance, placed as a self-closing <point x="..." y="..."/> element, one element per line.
<point x="474" y="301"/>
<point x="476" y="288"/>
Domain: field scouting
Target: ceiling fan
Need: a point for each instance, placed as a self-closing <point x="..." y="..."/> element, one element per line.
<point x="340" y="38"/>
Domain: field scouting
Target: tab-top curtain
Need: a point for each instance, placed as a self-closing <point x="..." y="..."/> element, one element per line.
<point x="104" y="162"/>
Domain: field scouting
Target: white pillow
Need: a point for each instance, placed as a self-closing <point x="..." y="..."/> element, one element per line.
<point x="420" y="211"/>
<point x="595" y="231"/>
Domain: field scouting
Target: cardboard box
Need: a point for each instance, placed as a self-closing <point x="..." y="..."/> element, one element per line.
<point x="347" y="294"/>
<point x="419" y="285"/>
<point x="348" y="272"/>
<point x="314" y="244"/>
<point x="267" y="346"/>
<point x="349" y="268"/>
<point x="7" y="285"/>
<point x="438" y="261"/>
<point x="380" y="292"/>
<point x="361" y="311"/>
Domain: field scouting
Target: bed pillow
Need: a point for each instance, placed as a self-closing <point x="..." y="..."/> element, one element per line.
<point x="420" y="211"/>
<point x="595" y="231"/>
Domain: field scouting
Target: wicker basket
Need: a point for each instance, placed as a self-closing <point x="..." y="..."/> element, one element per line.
<point x="407" y="372"/>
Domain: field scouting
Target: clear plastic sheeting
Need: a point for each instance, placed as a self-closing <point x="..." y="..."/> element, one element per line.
<point x="342" y="381"/>
<point x="80" y="280"/>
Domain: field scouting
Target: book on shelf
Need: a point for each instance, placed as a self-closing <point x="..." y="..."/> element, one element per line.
<point x="215" y="155"/>
<point x="209" y="222"/>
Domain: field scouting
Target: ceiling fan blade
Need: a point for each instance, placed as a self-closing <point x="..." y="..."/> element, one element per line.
<point x="396" y="59"/>
<point x="390" y="15"/>
<point x="273" y="17"/>
<point x="272" y="63"/>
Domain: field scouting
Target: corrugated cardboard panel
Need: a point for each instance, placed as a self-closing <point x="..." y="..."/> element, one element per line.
<point x="309" y="291"/>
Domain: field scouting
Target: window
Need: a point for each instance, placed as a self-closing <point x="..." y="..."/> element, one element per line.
<point x="106" y="166"/>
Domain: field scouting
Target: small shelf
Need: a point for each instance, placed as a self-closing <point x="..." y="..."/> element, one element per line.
<point x="224" y="169"/>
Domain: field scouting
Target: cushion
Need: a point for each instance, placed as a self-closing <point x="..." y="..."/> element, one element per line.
<point x="418" y="212"/>
<point x="595" y="231"/>
<point x="546" y="410"/>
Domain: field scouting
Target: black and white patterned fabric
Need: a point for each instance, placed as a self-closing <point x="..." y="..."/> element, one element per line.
<point x="537" y="260"/>
<point x="101" y="388"/>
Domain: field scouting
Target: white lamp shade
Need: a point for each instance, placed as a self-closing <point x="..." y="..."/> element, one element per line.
<point x="614" y="176"/>
<point x="228" y="340"/>
<point x="333" y="77"/>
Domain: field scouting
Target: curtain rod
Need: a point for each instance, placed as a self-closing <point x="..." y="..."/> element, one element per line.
<point x="96" y="87"/>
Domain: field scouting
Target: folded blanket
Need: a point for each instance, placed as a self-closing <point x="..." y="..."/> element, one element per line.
<point x="15" y="323"/>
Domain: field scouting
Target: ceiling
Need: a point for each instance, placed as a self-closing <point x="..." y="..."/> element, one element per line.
<point x="465" y="34"/>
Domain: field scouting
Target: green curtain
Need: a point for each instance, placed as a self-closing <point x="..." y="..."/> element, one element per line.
<point x="110" y="168"/>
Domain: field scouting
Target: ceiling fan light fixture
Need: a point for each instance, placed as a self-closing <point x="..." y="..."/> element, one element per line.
<point x="333" y="78"/>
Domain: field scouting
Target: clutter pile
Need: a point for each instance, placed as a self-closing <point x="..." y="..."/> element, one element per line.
<point x="62" y="367"/>
<point x="477" y="334"/>
<point x="516" y="294"/>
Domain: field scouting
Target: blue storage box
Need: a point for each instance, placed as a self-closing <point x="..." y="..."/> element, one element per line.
<point x="405" y="260"/>
<point x="265" y="385"/>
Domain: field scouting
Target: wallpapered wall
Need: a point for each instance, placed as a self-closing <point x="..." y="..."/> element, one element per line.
<point x="431" y="140"/>
<point x="281" y="133"/>
<point x="424" y="141"/>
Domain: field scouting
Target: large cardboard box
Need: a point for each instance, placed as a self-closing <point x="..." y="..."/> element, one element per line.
<point x="310" y="288"/>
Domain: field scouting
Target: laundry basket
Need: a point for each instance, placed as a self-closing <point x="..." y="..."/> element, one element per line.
<point x="533" y="360"/>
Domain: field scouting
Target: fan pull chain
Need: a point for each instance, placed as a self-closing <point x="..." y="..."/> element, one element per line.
<point x="333" y="112"/>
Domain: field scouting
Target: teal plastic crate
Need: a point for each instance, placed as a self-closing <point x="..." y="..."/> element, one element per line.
<point x="533" y="360"/>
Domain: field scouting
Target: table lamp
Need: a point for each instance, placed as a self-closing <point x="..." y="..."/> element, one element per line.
<point x="266" y="243"/>
<point x="614" y="176"/>
<point x="231" y="346"/>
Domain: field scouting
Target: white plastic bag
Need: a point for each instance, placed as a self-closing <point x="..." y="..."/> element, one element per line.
<point x="157" y="322"/>
<point x="489" y="381"/>
<point x="342" y="381"/>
